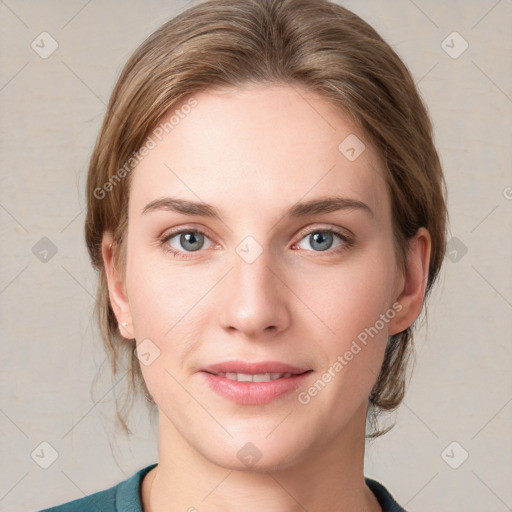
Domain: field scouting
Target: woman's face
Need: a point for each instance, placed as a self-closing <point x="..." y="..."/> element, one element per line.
<point x="269" y="271"/>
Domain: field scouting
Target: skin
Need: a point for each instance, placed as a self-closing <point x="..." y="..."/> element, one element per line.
<point x="253" y="152"/>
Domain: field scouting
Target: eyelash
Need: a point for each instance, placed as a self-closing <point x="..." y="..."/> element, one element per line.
<point x="347" y="241"/>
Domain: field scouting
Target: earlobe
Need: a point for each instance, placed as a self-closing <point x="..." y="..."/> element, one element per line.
<point x="116" y="287"/>
<point x="414" y="282"/>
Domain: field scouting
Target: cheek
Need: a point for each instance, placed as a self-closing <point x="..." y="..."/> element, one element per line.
<point x="162" y="297"/>
<point x="163" y="315"/>
<point x="345" y="300"/>
<point x="352" y="307"/>
<point x="167" y="305"/>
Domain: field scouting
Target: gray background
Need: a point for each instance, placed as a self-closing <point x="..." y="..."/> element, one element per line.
<point x="51" y="110"/>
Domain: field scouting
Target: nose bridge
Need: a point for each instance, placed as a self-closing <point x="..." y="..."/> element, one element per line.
<point x="254" y="300"/>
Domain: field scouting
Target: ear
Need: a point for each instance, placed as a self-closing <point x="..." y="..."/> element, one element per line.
<point x="116" y="286"/>
<point x="414" y="282"/>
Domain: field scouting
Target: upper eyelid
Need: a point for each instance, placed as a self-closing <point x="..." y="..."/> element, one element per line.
<point x="171" y="234"/>
<point x="334" y="229"/>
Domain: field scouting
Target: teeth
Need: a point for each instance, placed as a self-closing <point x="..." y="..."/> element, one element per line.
<point x="258" y="377"/>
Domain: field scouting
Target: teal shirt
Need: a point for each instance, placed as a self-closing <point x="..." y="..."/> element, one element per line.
<point x="125" y="497"/>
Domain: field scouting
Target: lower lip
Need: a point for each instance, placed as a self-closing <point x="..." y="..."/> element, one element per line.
<point x="254" y="393"/>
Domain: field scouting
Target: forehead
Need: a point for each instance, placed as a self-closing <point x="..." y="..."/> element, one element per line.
<point x="260" y="146"/>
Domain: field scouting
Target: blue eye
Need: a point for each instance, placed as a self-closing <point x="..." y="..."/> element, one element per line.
<point x="321" y="240"/>
<point x="186" y="241"/>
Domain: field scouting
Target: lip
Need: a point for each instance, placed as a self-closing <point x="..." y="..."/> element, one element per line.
<point x="254" y="393"/>
<point x="253" y="368"/>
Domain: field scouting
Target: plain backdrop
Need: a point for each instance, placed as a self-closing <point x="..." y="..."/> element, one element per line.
<point x="451" y="448"/>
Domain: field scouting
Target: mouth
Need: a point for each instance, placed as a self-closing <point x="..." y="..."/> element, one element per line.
<point x="254" y="383"/>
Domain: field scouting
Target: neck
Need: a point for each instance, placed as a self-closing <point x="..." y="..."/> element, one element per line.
<point x="323" y="477"/>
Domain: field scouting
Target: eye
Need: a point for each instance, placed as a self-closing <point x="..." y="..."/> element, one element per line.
<point x="186" y="241"/>
<point x="321" y="240"/>
<point x="183" y="243"/>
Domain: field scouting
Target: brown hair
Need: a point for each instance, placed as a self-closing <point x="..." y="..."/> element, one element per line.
<point x="314" y="43"/>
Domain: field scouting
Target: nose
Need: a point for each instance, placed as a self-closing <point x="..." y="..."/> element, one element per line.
<point x="254" y="298"/>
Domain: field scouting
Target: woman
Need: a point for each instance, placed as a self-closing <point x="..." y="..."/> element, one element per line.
<point x="266" y="210"/>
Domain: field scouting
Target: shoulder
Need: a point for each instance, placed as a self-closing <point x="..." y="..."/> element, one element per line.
<point x="123" y="497"/>
<point x="384" y="497"/>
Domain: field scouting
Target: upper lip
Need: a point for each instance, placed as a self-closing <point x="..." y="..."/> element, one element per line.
<point x="253" y="368"/>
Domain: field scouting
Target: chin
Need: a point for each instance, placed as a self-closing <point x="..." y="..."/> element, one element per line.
<point x="257" y="456"/>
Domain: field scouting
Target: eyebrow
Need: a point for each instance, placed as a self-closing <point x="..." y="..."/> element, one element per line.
<point x="300" y="209"/>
